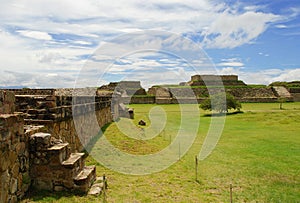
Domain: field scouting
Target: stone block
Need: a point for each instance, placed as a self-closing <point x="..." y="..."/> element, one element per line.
<point x="43" y="184"/>
<point x="4" y="185"/>
<point x="13" y="185"/>
<point x="12" y="157"/>
<point x="15" y="170"/>
<point x="5" y="162"/>
<point x="58" y="188"/>
<point x="41" y="139"/>
<point x="7" y="100"/>
<point x="20" y="148"/>
<point x="13" y="199"/>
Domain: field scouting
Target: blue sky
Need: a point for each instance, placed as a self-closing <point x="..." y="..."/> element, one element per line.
<point x="48" y="43"/>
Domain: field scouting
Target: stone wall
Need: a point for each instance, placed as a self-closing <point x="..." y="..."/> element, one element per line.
<point x="53" y="109"/>
<point x="66" y="130"/>
<point x="7" y="102"/>
<point x="296" y="97"/>
<point x="27" y="91"/>
<point x="14" y="155"/>
<point x="295" y="92"/>
<point x="129" y="84"/>
<point x="175" y="95"/>
<point x="214" y="77"/>
<point x="215" y="80"/>
<point x="138" y="100"/>
<point x="37" y="115"/>
<point x="59" y="120"/>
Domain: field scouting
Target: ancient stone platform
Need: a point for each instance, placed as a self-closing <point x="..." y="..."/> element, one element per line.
<point x="54" y="168"/>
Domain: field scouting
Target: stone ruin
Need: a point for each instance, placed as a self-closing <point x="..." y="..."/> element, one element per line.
<point x="39" y="147"/>
<point x="197" y="90"/>
<point x="54" y="167"/>
<point x="214" y="80"/>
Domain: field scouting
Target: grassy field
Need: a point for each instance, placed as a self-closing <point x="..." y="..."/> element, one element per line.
<point x="258" y="154"/>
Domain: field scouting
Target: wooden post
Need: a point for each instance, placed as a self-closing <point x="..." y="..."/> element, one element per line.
<point x="231" y="193"/>
<point x="196" y="167"/>
<point x="104" y="188"/>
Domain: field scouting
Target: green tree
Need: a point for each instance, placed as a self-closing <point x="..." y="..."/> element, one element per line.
<point x="221" y="103"/>
<point x="281" y="100"/>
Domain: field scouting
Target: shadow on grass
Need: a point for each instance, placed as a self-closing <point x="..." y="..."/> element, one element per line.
<point x="49" y="196"/>
<point x="222" y="114"/>
<point x="93" y="141"/>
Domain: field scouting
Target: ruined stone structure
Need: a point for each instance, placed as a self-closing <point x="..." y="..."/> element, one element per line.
<point x="282" y="92"/>
<point x="54" y="109"/>
<point x="124" y="88"/>
<point x="200" y="80"/>
<point x="201" y="86"/>
<point x="295" y="93"/>
<point x="29" y="157"/>
<point x="54" y="167"/>
<point x="14" y="154"/>
<point x="126" y="91"/>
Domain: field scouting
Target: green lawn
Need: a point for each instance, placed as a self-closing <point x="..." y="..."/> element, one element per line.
<point x="258" y="153"/>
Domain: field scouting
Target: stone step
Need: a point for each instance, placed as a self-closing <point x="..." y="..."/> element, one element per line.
<point x="282" y="91"/>
<point x="58" y="153"/>
<point x="99" y="186"/>
<point x="85" y="178"/>
<point x="35" y="111"/>
<point x="75" y="160"/>
<point x="40" y="140"/>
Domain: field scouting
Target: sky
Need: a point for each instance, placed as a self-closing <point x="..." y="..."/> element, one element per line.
<point x="64" y="43"/>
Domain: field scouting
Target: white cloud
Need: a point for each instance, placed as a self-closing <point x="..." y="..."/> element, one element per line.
<point x="55" y="36"/>
<point x="231" y="62"/>
<point x="230" y="30"/>
<point x="288" y="75"/>
<point x="36" y="80"/>
<point x="281" y="26"/>
<point x="35" y="34"/>
<point x="263" y="76"/>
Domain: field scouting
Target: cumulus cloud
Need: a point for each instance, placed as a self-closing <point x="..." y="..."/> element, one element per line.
<point x="57" y="36"/>
<point x="36" y="80"/>
<point x="230" y="30"/>
<point x="262" y="76"/>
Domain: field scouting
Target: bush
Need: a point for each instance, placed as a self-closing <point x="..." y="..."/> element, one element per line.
<point x="221" y="103"/>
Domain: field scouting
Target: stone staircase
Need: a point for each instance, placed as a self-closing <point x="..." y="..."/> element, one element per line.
<point x="54" y="168"/>
<point x="282" y="92"/>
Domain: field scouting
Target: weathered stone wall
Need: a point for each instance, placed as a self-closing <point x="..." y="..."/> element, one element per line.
<point x="138" y="100"/>
<point x="28" y="102"/>
<point x="13" y="157"/>
<point x="59" y="120"/>
<point x="26" y="91"/>
<point x="129" y="84"/>
<point x="260" y="92"/>
<point x="14" y="154"/>
<point x="53" y="109"/>
<point x="215" y="80"/>
<point x="295" y="92"/>
<point x="69" y="92"/>
<point x="296" y="97"/>
<point x="65" y="128"/>
<point x="7" y="102"/>
<point x="186" y="95"/>
<point x="214" y="77"/>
